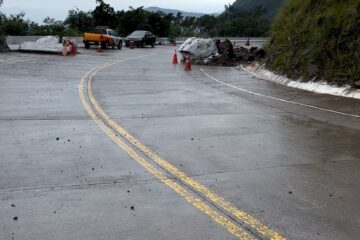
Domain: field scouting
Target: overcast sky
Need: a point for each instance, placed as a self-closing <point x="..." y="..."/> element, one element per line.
<point x="37" y="10"/>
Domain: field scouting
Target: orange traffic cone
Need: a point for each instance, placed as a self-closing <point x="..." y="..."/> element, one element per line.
<point x="247" y="42"/>
<point x="175" y="58"/>
<point x="72" y="49"/>
<point x="99" y="48"/>
<point x="187" y="63"/>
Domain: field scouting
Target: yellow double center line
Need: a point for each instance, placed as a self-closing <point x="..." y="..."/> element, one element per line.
<point x="113" y="130"/>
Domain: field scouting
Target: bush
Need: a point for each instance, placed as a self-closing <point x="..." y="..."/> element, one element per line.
<point x="317" y="39"/>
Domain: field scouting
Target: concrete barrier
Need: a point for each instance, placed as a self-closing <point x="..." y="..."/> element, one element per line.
<point x="256" y="42"/>
<point x="255" y="39"/>
<point x="15" y="41"/>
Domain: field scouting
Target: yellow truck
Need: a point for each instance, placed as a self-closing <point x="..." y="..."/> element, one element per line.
<point x="103" y="36"/>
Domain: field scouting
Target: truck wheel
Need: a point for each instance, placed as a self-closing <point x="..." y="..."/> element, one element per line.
<point x="120" y="45"/>
<point x="87" y="45"/>
<point x="104" y="45"/>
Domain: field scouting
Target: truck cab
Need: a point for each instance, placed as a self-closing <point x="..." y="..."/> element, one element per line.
<point x="103" y="36"/>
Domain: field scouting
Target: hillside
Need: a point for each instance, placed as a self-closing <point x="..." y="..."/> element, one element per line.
<point x="272" y="6"/>
<point x="174" y="11"/>
<point x="317" y="40"/>
<point x="240" y="20"/>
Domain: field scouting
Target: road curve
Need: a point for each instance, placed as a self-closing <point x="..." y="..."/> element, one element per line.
<point x="178" y="155"/>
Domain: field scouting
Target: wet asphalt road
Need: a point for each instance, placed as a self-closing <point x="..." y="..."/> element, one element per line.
<point x="293" y="168"/>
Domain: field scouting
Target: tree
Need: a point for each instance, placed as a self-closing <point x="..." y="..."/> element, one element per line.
<point x="188" y="26"/>
<point x="179" y="17"/>
<point x="131" y="20"/>
<point x="80" y="20"/>
<point x="206" y="24"/>
<point x="1" y="21"/>
<point x="242" y="23"/>
<point x="15" y="24"/>
<point x="3" y="44"/>
<point x="104" y="14"/>
<point x="53" y="27"/>
<point x="160" y="23"/>
<point x="233" y="22"/>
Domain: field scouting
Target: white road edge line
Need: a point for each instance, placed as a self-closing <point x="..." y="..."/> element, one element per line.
<point x="279" y="99"/>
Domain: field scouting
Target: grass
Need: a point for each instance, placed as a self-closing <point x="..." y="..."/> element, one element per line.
<point x="317" y="39"/>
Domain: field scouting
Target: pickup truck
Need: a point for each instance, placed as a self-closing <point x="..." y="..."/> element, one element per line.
<point x="103" y="36"/>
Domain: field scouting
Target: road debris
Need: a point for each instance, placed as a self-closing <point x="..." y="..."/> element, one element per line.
<point x="217" y="52"/>
<point x="199" y="48"/>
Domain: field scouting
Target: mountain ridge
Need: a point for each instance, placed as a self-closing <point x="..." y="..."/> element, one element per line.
<point x="175" y="11"/>
<point x="271" y="6"/>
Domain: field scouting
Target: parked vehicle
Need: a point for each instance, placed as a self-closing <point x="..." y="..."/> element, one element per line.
<point x="140" y="39"/>
<point x="104" y="36"/>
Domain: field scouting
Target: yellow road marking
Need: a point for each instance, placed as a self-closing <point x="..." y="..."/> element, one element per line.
<point x="221" y="202"/>
<point x="195" y="201"/>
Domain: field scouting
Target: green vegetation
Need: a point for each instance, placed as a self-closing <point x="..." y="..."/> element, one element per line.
<point x="237" y="22"/>
<point x="233" y="22"/>
<point x="3" y="45"/>
<point x="271" y="6"/>
<point x="16" y="25"/>
<point x="317" y="39"/>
